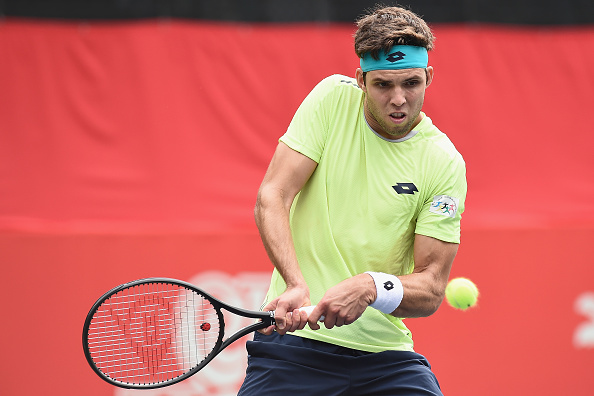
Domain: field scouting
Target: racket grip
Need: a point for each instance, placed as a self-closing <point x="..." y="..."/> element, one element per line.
<point x="308" y="310"/>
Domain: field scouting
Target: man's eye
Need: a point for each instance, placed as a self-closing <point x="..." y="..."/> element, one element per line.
<point x="412" y="83"/>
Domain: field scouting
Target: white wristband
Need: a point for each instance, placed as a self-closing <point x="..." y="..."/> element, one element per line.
<point x="389" y="292"/>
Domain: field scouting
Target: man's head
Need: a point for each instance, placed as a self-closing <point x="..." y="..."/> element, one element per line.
<point x="392" y="43"/>
<point x="386" y="27"/>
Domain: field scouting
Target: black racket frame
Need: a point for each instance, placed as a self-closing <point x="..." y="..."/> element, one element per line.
<point x="267" y="319"/>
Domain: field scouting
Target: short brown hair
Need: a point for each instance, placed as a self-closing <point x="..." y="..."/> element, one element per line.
<point x="385" y="27"/>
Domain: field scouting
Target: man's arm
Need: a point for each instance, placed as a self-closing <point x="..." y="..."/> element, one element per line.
<point x="287" y="173"/>
<point x="424" y="288"/>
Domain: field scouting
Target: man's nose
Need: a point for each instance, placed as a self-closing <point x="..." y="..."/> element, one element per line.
<point x="398" y="98"/>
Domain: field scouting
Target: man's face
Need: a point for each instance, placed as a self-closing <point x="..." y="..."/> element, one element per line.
<point x="394" y="99"/>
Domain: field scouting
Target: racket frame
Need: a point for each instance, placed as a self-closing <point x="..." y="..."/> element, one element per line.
<point x="267" y="319"/>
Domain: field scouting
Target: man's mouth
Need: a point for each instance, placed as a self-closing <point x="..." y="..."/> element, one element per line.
<point x="397" y="116"/>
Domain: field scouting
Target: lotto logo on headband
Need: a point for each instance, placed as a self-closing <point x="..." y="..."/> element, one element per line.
<point x="395" y="56"/>
<point x="398" y="57"/>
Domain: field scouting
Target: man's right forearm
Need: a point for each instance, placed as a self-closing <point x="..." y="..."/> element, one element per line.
<point x="272" y="218"/>
<point x="287" y="174"/>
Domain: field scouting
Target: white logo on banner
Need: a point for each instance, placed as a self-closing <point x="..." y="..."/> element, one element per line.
<point x="583" y="337"/>
<point x="223" y="375"/>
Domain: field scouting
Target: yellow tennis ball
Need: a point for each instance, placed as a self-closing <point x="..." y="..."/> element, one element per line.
<point x="461" y="293"/>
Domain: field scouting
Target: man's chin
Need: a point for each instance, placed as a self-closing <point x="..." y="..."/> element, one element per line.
<point x="398" y="133"/>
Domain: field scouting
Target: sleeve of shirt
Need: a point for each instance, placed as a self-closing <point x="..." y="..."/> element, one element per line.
<point x="308" y="129"/>
<point x="442" y="208"/>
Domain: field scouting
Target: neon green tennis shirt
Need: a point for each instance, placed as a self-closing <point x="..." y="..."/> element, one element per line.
<point x="364" y="203"/>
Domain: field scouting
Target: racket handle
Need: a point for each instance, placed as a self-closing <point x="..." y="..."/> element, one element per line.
<point x="308" y="310"/>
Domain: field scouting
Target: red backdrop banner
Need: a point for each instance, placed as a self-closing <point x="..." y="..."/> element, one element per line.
<point x="136" y="149"/>
<point x="173" y="123"/>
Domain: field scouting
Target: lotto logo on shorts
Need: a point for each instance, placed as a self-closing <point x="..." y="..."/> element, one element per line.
<point x="444" y="205"/>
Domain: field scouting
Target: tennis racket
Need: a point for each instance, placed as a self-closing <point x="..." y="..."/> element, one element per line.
<point x="156" y="332"/>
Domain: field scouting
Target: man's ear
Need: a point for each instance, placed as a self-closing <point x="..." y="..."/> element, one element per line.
<point x="429" y="72"/>
<point x="360" y="79"/>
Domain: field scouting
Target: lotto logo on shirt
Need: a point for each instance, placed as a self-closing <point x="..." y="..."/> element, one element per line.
<point x="444" y="205"/>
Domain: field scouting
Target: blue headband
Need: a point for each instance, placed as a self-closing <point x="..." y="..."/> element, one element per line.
<point x="398" y="57"/>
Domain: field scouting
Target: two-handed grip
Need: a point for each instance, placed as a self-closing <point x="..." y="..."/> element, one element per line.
<point x="308" y="311"/>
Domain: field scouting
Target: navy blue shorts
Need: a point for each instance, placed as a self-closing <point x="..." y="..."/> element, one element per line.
<point x="288" y="363"/>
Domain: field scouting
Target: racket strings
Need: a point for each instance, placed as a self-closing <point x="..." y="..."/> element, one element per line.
<point x="152" y="333"/>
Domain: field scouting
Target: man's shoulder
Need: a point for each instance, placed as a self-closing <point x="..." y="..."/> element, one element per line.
<point x="437" y="142"/>
<point x="339" y="81"/>
<point x="336" y="88"/>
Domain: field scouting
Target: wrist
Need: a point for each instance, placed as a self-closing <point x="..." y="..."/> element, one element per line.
<point x="389" y="292"/>
<point x="297" y="284"/>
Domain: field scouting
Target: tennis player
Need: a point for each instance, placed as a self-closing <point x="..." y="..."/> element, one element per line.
<point x="359" y="212"/>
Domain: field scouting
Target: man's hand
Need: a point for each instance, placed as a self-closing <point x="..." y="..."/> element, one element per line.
<point x="345" y="302"/>
<point x="287" y="315"/>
